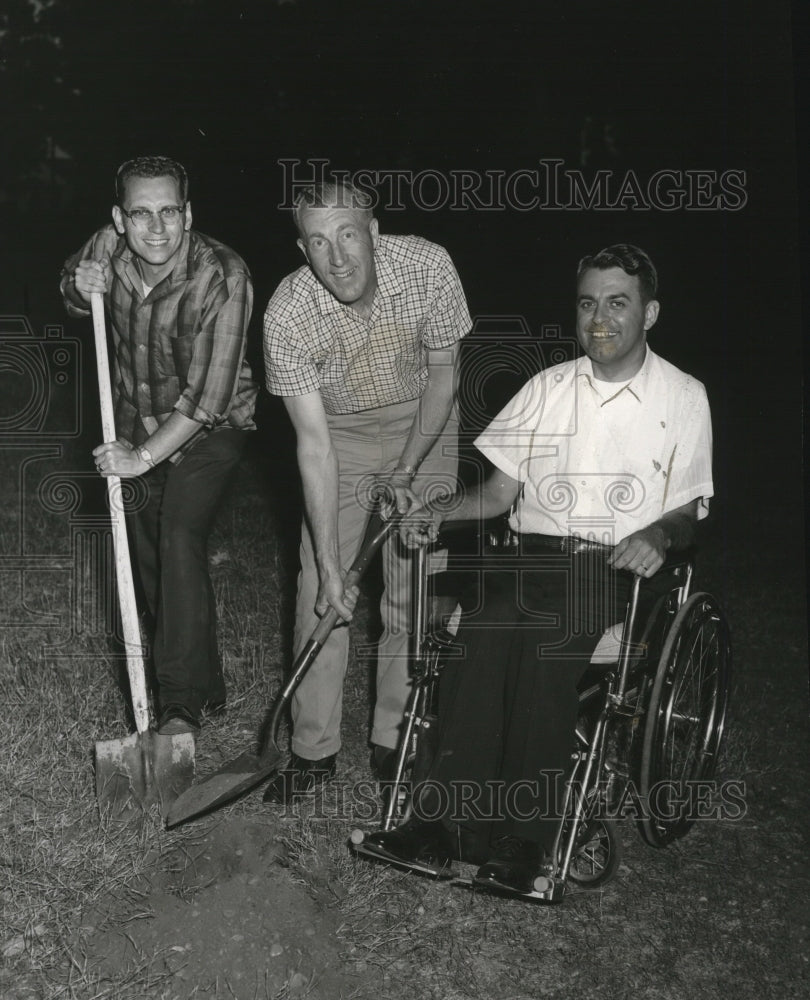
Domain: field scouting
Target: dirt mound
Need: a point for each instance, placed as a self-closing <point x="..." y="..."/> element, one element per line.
<point x="237" y="913"/>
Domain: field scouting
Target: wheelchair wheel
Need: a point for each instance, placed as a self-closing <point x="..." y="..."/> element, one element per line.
<point x="596" y="854"/>
<point x="685" y="718"/>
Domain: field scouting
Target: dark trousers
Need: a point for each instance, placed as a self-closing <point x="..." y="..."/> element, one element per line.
<point x="170" y="539"/>
<point x="508" y="705"/>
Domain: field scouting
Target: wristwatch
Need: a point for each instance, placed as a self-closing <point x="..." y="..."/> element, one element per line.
<point x="145" y="455"/>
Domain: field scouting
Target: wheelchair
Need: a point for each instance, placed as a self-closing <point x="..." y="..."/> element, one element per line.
<point x="652" y="708"/>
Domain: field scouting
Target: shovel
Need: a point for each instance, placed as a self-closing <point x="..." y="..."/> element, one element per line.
<point x="144" y="769"/>
<point x="249" y="769"/>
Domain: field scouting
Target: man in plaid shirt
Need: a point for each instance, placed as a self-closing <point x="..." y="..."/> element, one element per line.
<point x="362" y="345"/>
<point x="179" y="304"/>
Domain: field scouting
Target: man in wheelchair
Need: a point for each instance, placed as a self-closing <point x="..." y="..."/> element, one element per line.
<point x="606" y="464"/>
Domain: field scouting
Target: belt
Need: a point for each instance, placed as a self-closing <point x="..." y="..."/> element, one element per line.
<point x="569" y="544"/>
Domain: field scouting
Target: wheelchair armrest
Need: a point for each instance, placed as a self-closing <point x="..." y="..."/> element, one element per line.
<point x="678" y="558"/>
<point x="472" y="536"/>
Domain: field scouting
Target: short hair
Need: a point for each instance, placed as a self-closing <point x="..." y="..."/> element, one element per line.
<point x="151" y="166"/>
<point x="631" y="259"/>
<point x="333" y="193"/>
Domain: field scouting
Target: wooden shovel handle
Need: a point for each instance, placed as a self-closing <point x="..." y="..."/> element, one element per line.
<point x="377" y="530"/>
<point x="123" y="566"/>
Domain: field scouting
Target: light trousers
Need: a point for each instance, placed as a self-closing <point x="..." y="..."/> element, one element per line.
<point x="368" y="444"/>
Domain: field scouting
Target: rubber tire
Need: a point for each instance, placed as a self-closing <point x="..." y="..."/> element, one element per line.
<point x="669" y="703"/>
<point x="596" y="856"/>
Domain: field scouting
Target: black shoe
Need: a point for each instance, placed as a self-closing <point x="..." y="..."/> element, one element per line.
<point x="176" y="720"/>
<point x="383" y="762"/>
<point x="299" y="778"/>
<point x="513" y="866"/>
<point x="423" y="845"/>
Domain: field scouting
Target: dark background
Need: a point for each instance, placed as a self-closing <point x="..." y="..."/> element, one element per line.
<point x="231" y="88"/>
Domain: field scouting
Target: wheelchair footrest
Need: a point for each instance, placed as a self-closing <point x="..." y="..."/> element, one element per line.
<point x="444" y="872"/>
<point x="546" y="888"/>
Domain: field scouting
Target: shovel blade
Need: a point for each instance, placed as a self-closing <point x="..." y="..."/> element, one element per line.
<point x="224" y="785"/>
<point x="143" y="770"/>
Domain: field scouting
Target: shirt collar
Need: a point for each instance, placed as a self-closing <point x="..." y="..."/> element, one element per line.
<point x="183" y="269"/>
<point x="387" y="281"/>
<point x="638" y="386"/>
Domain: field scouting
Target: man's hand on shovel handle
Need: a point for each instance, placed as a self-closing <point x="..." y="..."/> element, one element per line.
<point x="91" y="276"/>
<point x="116" y="459"/>
<point x="334" y="594"/>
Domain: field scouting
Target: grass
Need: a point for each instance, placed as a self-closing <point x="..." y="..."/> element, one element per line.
<point x="721" y="909"/>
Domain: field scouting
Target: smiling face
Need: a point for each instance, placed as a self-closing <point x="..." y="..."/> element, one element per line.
<point x="157" y="242"/>
<point x="339" y="244"/>
<point x="612" y="322"/>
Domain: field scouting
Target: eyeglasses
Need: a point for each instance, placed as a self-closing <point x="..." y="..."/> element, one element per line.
<point x="142" y="216"/>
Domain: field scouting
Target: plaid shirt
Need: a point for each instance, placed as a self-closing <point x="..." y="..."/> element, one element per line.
<point x="313" y="341"/>
<point x="182" y="347"/>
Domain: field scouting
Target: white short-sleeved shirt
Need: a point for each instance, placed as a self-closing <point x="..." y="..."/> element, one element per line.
<point x="603" y="459"/>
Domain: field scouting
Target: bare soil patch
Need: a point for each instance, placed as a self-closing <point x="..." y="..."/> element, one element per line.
<point x="227" y="911"/>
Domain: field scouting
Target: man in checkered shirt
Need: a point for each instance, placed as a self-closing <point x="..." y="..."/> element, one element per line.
<point x="362" y="344"/>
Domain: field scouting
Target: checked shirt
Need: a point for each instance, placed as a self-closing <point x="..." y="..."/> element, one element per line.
<point x="314" y="342"/>
<point x="182" y="346"/>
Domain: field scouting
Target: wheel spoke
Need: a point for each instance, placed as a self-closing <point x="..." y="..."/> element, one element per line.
<point x="686" y="713"/>
<point x="691" y="717"/>
<point x="596" y="857"/>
